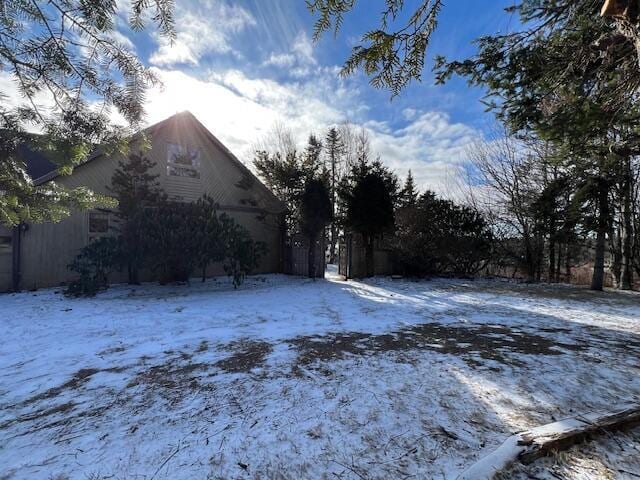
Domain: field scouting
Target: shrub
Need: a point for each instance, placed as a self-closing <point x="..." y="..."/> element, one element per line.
<point x="93" y="264"/>
<point x="242" y="254"/>
<point x="439" y="237"/>
<point x="171" y="239"/>
<point x="179" y="237"/>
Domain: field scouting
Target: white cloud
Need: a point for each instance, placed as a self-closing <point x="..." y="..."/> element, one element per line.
<point x="299" y="61"/>
<point x="201" y="31"/>
<point x="303" y="49"/>
<point x="240" y="110"/>
<point x="281" y="60"/>
<point x="122" y="39"/>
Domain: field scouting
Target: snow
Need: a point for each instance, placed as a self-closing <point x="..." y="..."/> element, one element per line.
<point x="294" y="378"/>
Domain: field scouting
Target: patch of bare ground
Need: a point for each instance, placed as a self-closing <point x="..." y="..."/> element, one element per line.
<point x="172" y="379"/>
<point x="81" y="377"/>
<point x="40" y="414"/>
<point x="470" y="342"/>
<point x="247" y="355"/>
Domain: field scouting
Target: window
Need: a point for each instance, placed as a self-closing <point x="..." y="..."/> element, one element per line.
<point x="5" y="243"/>
<point x="98" y="225"/>
<point x="183" y="161"/>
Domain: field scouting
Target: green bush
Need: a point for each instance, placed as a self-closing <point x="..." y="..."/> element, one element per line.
<point x="242" y="254"/>
<point x="180" y="237"/>
<point x="93" y="264"/>
<point x="436" y="237"/>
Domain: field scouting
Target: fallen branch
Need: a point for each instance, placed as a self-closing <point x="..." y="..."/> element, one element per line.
<point x="527" y="446"/>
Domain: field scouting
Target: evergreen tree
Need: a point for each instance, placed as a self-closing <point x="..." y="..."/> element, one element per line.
<point x="315" y="214"/>
<point x="312" y="162"/>
<point x="409" y="194"/>
<point x="391" y="56"/>
<point x="137" y="190"/>
<point x="170" y="242"/>
<point x="549" y="81"/>
<point x="210" y="234"/>
<point x="66" y="51"/>
<point x="335" y="149"/>
<point x="242" y="254"/>
<point x="369" y="193"/>
<point x="285" y="177"/>
<point x="93" y="265"/>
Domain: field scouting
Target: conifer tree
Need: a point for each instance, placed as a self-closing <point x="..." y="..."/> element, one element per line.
<point x="210" y="235"/>
<point x="334" y="147"/>
<point x="315" y="214"/>
<point x="137" y="190"/>
<point x="369" y="192"/>
<point x="409" y="194"/>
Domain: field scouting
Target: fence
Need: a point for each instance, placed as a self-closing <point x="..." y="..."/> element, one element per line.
<point x="352" y="257"/>
<point x="296" y="261"/>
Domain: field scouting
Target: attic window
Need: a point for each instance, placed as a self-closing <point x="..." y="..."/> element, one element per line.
<point x="183" y="161"/>
<point x="98" y="225"/>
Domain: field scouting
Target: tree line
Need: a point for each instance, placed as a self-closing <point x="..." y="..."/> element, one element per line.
<point x="561" y="184"/>
<point x="338" y="187"/>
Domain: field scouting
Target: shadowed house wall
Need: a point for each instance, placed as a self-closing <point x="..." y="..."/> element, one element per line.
<point x="48" y="248"/>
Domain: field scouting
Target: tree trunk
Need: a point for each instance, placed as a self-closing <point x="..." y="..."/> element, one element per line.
<point x="552" y="258"/>
<point x="616" y="256"/>
<point x="597" y="281"/>
<point x="369" y="257"/>
<point x="334" y="227"/>
<point x="132" y="272"/>
<point x="529" y="259"/>
<point x="626" y="231"/>
<point x="334" y="242"/>
<point x="558" y="263"/>
<point x="311" y="257"/>
<point x="567" y="263"/>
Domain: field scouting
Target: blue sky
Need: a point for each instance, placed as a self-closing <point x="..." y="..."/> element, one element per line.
<point x="241" y="66"/>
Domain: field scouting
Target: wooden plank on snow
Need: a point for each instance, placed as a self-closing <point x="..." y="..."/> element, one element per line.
<point x="527" y="446"/>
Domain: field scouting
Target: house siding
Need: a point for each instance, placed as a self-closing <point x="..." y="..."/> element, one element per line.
<point x="48" y="248"/>
<point x="6" y="257"/>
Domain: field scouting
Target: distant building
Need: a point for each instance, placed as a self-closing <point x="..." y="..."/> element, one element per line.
<point x="190" y="162"/>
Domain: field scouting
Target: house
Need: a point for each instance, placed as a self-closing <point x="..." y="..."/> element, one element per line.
<point x="190" y="162"/>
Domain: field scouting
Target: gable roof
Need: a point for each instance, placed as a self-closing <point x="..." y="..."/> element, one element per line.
<point x="36" y="162"/>
<point x="185" y="122"/>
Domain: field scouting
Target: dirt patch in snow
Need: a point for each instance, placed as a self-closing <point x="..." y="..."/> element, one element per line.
<point x="81" y="377"/>
<point x="172" y="380"/>
<point x="247" y="356"/>
<point x="489" y="342"/>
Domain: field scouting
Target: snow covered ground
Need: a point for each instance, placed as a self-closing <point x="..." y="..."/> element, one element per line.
<point x="287" y="378"/>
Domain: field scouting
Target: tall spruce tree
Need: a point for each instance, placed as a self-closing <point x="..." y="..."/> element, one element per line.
<point x="335" y="150"/>
<point x="409" y="194"/>
<point x="137" y="190"/>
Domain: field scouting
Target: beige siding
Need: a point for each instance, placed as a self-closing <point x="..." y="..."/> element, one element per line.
<point x="49" y="248"/>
